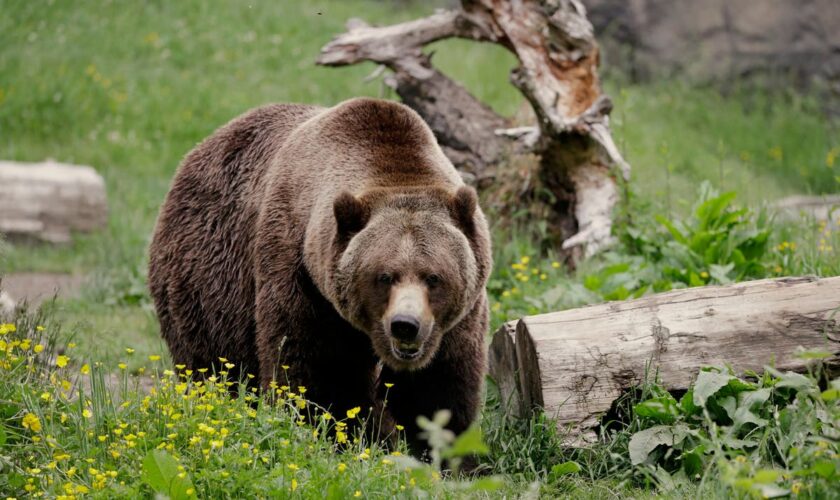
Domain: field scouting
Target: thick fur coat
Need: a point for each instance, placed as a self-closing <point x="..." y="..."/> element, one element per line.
<point x="328" y="240"/>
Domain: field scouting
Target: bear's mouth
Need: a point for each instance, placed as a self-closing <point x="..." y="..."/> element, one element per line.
<point x="406" y="351"/>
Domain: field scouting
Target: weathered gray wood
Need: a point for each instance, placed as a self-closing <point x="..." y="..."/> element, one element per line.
<point x="821" y="207"/>
<point x="7" y="305"/>
<point x="46" y="201"/>
<point x="557" y="73"/>
<point x="574" y="364"/>
<point x="502" y="366"/>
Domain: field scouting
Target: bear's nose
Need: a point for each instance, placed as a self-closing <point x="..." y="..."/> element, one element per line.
<point x="404" y="327"/>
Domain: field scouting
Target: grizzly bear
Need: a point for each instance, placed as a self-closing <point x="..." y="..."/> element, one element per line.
<point x="332" y="248"/>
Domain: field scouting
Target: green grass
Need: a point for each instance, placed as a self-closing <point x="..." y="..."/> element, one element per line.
<point x="131" y="87"/>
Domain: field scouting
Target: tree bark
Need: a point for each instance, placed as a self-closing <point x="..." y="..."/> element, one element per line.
<point x="557" y="74"/>
<point x="47" y="201"/>
<point x="574" y="364"/>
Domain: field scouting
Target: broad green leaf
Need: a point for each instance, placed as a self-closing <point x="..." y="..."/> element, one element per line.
<point x="694" y="280"/>
<point x="707" y="384"/>
<point x="831" y="394"/>
<point x="15" y="480"/>
<point x="644" y="442"/>
<point x="160" y="472"/>
<point x="766" y="476"/>
<point x="795" y="381"/>
<point x="753" y="399"/>
<point x="672" y="229"/>
<point x="570" y="467"/>
<point x="687" y="403"/>
<point x="824" y="468"/>
<point x="729" y="405"/>
<point x="721" y="273"/>
<point x="663" y="410"/>
<point x="692" y="461"/>
<point x="468" y="443"/>
<point x="491" y="483"/>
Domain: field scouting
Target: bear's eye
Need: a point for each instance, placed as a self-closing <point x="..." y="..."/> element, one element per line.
<point x="385" y="279"/>
<point x="432" y="280"/>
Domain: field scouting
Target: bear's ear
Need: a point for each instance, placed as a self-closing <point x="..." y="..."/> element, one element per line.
<point x="462" y="208"/>
<point x="351" y="214"/>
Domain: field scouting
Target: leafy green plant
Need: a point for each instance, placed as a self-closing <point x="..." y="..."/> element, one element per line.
<point x="767" y="437"/>
<point x="717" y="243"/>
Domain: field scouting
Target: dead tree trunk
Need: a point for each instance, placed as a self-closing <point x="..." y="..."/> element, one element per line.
<point x="557" y="74"/>
<point x="574" y="364"/>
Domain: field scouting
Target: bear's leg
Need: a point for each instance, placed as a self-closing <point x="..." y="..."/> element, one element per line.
<point x="452" y="381"/>
<point x="303" y="342"/>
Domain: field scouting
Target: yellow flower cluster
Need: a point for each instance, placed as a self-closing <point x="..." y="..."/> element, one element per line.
<point x="185" y="417"/>
<point x="524" y="273"/>
<point x="786" y="245"/>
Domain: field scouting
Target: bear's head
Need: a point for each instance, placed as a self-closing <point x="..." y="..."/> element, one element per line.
<point x="409" y="268"/>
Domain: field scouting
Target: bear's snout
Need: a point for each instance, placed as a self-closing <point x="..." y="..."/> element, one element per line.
<point x="408" y="321"/>
<point x="405" y="328"/>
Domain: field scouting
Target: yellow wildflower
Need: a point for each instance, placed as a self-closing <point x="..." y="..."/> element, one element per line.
<point x="85" y="369"/>
<point x="351" y="413"/>
<point x="32" y="422"/>
<point x="61" y="361"/>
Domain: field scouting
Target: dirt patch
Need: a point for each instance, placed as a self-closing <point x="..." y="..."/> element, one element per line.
<point x="34" y="288"/>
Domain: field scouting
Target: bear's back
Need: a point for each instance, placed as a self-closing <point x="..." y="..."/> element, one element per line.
<point x="200" y="269"/>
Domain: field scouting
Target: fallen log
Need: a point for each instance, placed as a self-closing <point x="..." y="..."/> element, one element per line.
<point x="47" y="201"/>
<point x="574" y="364"/>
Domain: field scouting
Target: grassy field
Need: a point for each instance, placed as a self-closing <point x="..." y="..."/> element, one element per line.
<point x="130" y="87"/>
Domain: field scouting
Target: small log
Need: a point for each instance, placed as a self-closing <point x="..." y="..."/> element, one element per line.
<point x="574" y="364"/>
<point x="822" y="207"/>
<point x="47" y="201"/>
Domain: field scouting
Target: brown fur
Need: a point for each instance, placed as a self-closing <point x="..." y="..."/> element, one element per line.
<point x="272" y="245"/>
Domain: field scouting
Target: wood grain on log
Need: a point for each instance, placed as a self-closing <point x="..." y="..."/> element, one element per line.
<point x="574" y="364"/>
<point x="47" y="201"/>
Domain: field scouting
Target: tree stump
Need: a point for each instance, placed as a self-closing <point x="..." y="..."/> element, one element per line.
<point x="574" y="364"/>
<point x="47" y="201"/>
<point x="557" y="74"/>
